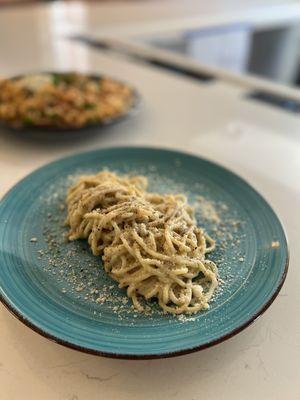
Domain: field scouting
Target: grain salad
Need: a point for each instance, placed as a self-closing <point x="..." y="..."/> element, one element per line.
<point x="65" y="100"/>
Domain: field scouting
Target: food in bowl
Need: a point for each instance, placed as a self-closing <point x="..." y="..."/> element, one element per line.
<point x="62" y="100"/>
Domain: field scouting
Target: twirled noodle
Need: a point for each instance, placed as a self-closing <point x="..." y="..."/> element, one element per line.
<point x="149" y="242"/>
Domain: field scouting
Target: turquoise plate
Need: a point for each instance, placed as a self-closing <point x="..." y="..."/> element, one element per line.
<point x="60" y="290"/>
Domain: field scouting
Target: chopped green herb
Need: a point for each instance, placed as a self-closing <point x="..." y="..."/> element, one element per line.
<point x="28" y="121"/>
<point x="89" y="106"/>
<point x="53" y="116"/>
<point x="68" y="78"/>
<point x="63" y="78"/>
<point x="56" y="79"/>
<point x="92" y="121"/>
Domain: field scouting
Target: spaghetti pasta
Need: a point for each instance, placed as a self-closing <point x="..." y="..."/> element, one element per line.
<point x="150" y="243"/>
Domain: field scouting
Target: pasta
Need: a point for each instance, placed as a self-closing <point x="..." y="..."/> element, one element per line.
<point x="149" y="242"/>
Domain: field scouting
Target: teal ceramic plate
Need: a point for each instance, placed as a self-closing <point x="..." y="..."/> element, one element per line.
<point x="60" y="290"/>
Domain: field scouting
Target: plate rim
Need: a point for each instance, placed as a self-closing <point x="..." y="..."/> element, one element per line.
<point x="34" y="327"/>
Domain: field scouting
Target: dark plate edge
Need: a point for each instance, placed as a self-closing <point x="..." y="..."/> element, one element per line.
<point x="87" y="350"/>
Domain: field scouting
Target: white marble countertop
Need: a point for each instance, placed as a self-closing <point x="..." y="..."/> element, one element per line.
<point x="125" y="18"/>
<point x="213" y="120"/>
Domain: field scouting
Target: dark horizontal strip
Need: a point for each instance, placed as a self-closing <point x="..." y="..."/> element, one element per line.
<point x="178" y="70"/>
<point x="276" y="101"/>
<point x="100" y="44"/>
